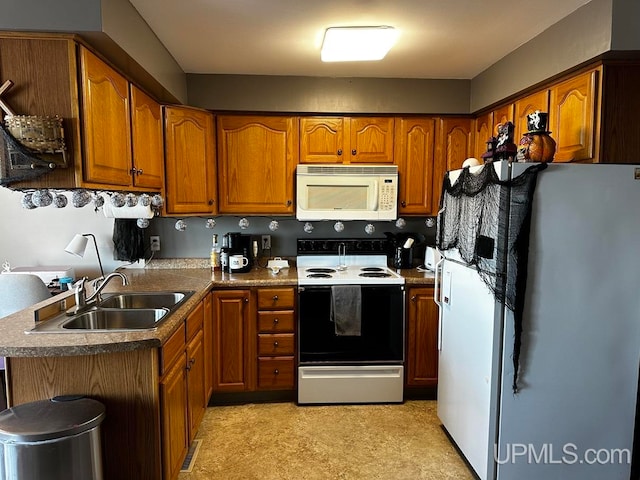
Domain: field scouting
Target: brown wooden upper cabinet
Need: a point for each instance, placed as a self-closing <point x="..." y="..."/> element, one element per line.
<point x="525" y="106"/>
<point x="572" y="117"/>
<point x="484" y="130"/>
<point x="147" y="138"/>
<point x="257" y="157"/>
<point x="454" y="144"/>
<point x="414" y="147"/>
<point x="346" y="139"/>
<point x="190" y="163"/>
<point x="122" y="131"/>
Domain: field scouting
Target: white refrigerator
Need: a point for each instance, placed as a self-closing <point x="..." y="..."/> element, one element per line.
<point x="574" y="415"/>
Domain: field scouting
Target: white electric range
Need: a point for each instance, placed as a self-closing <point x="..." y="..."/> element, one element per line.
<point x="350" y="323"/>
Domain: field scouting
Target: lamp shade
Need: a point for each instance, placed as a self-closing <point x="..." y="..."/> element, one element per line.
<point x="77" y="246"/>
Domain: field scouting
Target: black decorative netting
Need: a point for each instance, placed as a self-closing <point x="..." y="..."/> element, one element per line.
<point x="488" y="221"/>
<point x="17" y="162"/>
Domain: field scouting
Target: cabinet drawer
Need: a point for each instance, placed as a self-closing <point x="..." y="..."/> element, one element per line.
<point x="276" y="321"/>
<point x="276" y="372"/>
<point x="172" y="348"/>
<point x="275" y="298"/>
<point x="195" y="320"/>
<point x="276" y="344"/>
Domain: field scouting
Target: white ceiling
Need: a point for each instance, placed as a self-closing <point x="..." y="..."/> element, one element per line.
<point x="438" y="38"/>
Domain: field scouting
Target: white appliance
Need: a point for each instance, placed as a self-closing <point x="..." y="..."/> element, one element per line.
<point x="347" y="192"/>
<point x="361" y="367"/>
<point x="47" y="273"/>
<point x="574" y="416"/>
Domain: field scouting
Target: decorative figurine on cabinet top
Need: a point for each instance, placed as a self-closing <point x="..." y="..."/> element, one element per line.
<point x="505" y="148"/>
<point x="536" y="145"/>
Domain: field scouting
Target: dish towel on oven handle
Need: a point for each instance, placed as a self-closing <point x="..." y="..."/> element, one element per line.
<point x="346" y="309"/>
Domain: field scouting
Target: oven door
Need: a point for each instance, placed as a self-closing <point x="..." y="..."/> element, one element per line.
<point x="382" y="327"/>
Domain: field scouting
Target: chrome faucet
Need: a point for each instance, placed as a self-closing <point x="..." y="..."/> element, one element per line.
<point x="82" y="301"/>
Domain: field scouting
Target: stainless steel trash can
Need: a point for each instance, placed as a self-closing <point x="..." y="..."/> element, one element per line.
<point x="57" y="439"/>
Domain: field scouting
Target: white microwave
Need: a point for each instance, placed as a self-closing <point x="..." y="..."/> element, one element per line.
<point x="347" y="192"/>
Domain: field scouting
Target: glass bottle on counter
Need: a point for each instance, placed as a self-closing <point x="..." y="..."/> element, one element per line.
<point x="224" y="253"/>
<point x="215" y="254"/>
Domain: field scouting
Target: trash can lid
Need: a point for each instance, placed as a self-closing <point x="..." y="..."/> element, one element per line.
<point x="50" y="419"/>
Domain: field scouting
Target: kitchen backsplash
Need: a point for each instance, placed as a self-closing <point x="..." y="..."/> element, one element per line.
<point x="195" y="240"/>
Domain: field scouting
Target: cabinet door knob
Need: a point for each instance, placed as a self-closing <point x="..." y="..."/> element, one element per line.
<point x="275" y="344"/>
<point x="210" y="202"/>
<point x="246" y="300"/>
<point x="275" y="321"/>
<point x="289" y="202"/>
<point x="354" y="152"/>
<point x="413" y="298"/>
<point x="276" y="372"/>
<point x="339" y="151"/>
<point x="403" y="203"/>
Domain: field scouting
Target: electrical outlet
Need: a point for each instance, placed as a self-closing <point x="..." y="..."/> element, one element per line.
<point x="266" y="242"/>
<point x="155" y="243"/>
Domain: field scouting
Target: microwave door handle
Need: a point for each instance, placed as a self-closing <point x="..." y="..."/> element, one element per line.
<point x="376" y="194"/>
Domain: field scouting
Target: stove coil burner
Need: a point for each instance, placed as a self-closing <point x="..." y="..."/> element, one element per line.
<point x="320" y="270"/>
<point x="319" y="275"/>
<point x="375" y="275"/>
<point x="372" y="269"/>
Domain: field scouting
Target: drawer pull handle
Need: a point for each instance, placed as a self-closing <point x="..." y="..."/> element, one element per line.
<point x="276" y="372"/>
<point x="275" y="321"/>
<point x="275" y="298"/>
<point x="275" y="344"/>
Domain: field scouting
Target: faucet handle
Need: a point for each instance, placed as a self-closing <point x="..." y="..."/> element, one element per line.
<point x="79" y="285"/>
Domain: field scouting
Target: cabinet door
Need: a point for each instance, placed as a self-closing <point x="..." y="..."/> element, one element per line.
<point x="175" y="436"/>
<point x="502" y="115"/>
<point x="414" y="143"/>
<point x="190" y="161"/>
<point x="422" y="338"/>
<point x="572" y="117"/>
<point x="454" y="144"/>
<point x="208" y="344"/>
<point x="483" y="132"/>
<point x="106" y="122"/>
<point x="371" y="140"/>
<point x="257" y="157"/>
<point x="196" y="383"/>
<point x="234" y="341"/>
<point x="525" y="106"/>
<point x="146" y="133"/>
<point x="322" y="139"/>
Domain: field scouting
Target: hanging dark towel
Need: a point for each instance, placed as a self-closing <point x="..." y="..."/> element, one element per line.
<point x="128" y="240"/>
<point x="346" y="309"/>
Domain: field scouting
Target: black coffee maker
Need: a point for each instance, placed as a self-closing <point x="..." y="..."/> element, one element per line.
<point x="240" y="244"/>
<point x="404" y="247"/>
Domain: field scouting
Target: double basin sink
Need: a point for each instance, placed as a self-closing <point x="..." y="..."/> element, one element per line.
<point x="128" y="311"/>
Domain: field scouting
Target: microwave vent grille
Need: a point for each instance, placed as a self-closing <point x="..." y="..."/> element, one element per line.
<point x="347" y="170"/>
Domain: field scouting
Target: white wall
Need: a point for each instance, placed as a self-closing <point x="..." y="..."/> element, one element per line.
<point x="39" y="236"/>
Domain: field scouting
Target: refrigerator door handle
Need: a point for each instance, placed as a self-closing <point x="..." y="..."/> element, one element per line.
<point x="436" y="298"/>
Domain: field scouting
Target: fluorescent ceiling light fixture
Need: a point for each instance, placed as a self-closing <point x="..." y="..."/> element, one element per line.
<point x="357" y="44"/>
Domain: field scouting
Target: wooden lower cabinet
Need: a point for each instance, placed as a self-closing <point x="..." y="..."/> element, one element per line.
<point x="183" y="390"/>
<point x="175" y="431"/>
<point x="276" y="338"/>
<point x="422" y="338"/>
<point x="234" y="343"/>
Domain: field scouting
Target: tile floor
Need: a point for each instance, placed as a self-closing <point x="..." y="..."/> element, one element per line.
<point x="283" y="441"/>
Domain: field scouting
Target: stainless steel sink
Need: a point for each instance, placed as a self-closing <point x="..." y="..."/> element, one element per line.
<point x="137" y="300"/>
<point x="126" y="311"/>
<point x="116" y="319"/>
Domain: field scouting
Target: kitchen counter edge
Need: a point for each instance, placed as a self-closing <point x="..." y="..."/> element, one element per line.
<point x="16" y="343"/>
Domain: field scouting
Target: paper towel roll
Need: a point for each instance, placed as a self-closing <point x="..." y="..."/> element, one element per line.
<point x="138" y="211"/>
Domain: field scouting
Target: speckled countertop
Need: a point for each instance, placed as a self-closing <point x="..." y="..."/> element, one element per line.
<point x="171" y="274"/>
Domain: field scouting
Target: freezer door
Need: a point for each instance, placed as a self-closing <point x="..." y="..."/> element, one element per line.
<point x="467" y="380"/>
